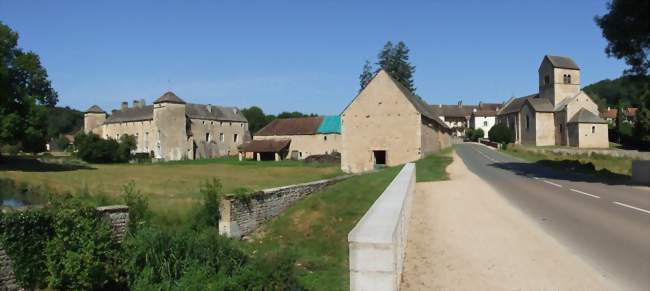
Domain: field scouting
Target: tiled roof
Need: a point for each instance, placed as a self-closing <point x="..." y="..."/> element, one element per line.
<point x="485" y="113"/>
<point x="541" y="104"/>
<point x="197" y="111"/>
<point x="538" y="104"/>
<point x="453" y="110"/>
<point x="131" y="114"/>
<point x="562" y="62"/>
<point x="265" y="146"/>
<point x="291" y="126"/>
<point x="95" y="109"/>
<point x="609" y="113"/>
<point x="169" y="97"/>
<point x="585" y="116"/>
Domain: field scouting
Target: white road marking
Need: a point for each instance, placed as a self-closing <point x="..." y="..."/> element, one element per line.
<point x="549" y="182"/>
<point x="632" y="207"/>
<point x="487" y="157"/>
<point x="584" y="193"/>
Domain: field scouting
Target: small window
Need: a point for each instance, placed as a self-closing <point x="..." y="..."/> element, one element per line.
<point x="547" y="80"/>
<point x="235" y="137"/>
<point x="568" y="78"/>
<point x="221" y="137"/>
<point x="593" y="129"/>
<point x="561" y="128"/>
<point x="527" y="122"/>
<point x="324" y="137"/>
<point x="485" y="123"/>
<point x="207" y="137"/>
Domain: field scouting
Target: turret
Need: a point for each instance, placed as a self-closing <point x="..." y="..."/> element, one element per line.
<point x="94" y="118"/>
<point x="169" y="113"/>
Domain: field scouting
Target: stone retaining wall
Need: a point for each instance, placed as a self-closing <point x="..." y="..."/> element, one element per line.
<point x="240" y="217"/>
<point x="117" y="216"/>
<point x="629" y="154"/>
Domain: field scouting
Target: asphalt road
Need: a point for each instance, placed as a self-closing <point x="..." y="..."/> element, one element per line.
<point x="607" y="225"/>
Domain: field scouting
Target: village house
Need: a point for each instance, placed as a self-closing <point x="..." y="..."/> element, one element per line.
<point x="294" y="138"/>
<point x="483" y="117"/>
<point x="629" y="115"/>
<point x="559" y="114"/>
<point x="386" y="125"/>
<point x="459" y="116"/>
<point x="172" y="129"/>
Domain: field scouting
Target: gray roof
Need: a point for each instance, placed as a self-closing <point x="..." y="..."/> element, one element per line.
<point x="219" y="113"/>
<point x="95" y="109"/>
<point x="131" y="114"/>
<point x="586" y="116"/>
<point x="420" y="105"/>
<point x="562" y="62"/>
<point x="169" y="97"/>
<point x="453" y="110"/>
<point x="538" y="104"/>
<point x="196" y="111"/>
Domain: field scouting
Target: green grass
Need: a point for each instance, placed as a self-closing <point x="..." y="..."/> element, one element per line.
<point x="599" y="165"/>
<point x="315" y="229"/>
<point x="432" y="167"/>
<point x="171" y="187"/>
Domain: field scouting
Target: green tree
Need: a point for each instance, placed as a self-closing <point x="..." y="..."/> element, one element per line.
<point x="294" y="114"/>
<point x="256" y="118"/>
<point x="395" y="60"/>
<point x="500" y="133"/>
<point x="24" y="86"/>
<point x="366" y="75"/>
<point x="626" y="27"/>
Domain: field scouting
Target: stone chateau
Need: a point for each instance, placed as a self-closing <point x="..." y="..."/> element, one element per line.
<point x="560" y="114"/>
<point x="172" y="129"/>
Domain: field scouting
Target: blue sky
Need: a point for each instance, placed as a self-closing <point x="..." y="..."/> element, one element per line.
<point x="300" y="55"/>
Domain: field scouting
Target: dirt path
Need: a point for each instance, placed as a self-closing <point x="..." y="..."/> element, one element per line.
<point x="464" y="236"/>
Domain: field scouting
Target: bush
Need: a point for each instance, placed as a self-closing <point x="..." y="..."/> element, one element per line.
<point x="82" y="254"/>
<point x="93" y="149"/>
<point x="208" y="214"/>
<point x="500" y="133"/>
<point x="476" y="134"/>
<point x="24" y="235"/>
<point x="61" y="143"/>
<point x="138" y="204"/>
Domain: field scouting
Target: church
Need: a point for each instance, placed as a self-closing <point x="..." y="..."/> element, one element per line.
<point x="560" y="114"/>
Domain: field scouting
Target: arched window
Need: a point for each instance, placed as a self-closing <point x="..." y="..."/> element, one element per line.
<point x="527" y="122"/>
<point x="568" y="78"/>
<point x="593" y="129"/>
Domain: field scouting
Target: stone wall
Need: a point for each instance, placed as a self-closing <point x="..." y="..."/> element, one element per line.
<point x="116" y="215"/>
<point x="629" y="154"/>
<point x="240" y="217"/>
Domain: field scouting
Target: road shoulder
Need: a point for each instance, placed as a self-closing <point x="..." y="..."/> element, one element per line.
<point x="463" y="235"/>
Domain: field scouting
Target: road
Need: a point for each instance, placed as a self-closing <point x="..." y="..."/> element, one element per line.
<point x="607" y="225"/>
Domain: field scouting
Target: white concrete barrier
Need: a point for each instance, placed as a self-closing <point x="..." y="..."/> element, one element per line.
<point x="377" y="243"/>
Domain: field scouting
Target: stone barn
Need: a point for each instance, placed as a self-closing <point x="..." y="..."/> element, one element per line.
<point x="386" y="125"/>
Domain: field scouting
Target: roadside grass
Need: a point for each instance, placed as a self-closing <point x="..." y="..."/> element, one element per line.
<point x="432" y="167"/>
<point x="599" y="165"/>
<point x="172" y="187"/>
<point x="315" y="230"/>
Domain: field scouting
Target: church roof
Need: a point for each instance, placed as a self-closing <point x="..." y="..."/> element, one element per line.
<point x="95" y="109"/>
<point x="562" y="62"/>
<point x="538" y="104"/>
<point x="585" y="116"/>
<point x="169" y="97"/>
<point x="541" y="104"/>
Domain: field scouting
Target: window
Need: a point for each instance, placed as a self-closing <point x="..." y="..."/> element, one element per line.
<point x="324" y="137"/>
<point x="221" y="137"/>
<point x="485" y="123"/>
<point x="560" y="128"/>
<point x="235" y="137"/>
<point x="568" y="77"/>
<point x="593" y="129"/>
<point x="207" y="137"/>
<point x="547" y="80"/>
<point x="146" y="141"/>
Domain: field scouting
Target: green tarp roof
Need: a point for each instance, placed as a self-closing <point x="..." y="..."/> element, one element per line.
<point x="330" y="124"/>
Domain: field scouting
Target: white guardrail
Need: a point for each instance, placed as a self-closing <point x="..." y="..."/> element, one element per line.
<point x="377" y="243"/>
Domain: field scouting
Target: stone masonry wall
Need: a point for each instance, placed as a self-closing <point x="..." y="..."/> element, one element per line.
<point x="117" y="216"/>
<point x="630" y="154"/>
<point x="240" y="217"/>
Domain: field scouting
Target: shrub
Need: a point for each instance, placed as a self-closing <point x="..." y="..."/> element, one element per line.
<point x="139" y="212"/>
<point x="24" y="235"/>
<point x="9" y="149"/>
<point x="93" y="149"/>
<point x="208" y="214"/>
<point x="61" y="143"/>
<point x="476" y="134"/>
<point x="500" y="133"/>
<point x="82" y="254"/>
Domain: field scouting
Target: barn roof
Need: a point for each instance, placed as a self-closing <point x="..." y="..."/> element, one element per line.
<point x="265" y="146"/>
<point x="292" y="126"/>
<point x="330" y="124"/>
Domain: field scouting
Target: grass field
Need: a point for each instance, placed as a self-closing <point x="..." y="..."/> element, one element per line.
<point x="170" y="185"/>
<point x="605" y="166"/>
<point x="315" y="230"/>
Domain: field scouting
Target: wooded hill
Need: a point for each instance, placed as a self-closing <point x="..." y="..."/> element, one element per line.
<point x="628" y="88"/>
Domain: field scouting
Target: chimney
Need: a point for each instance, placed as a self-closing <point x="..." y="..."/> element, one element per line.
<point x="142" y="104"/>
<point x="136" y="103"/>
<point x="125" y="105"/>
<point x="480" y="104"/>
<point x="439" y="105"/>
<point x="460" y="103"/>
<point x="209" y="107"/>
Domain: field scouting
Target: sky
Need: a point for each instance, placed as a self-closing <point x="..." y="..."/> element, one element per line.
<point x="301" y="55"/>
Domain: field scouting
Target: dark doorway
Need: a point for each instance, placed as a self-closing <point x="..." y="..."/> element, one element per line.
<point x="380" y="158"/>
<point x="267" y="156"/>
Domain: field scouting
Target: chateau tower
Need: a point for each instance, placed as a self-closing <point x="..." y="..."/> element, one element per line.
<point x="559" y="78"/>
<point x="169" y="114"/>
<point x="94" y="117"/>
